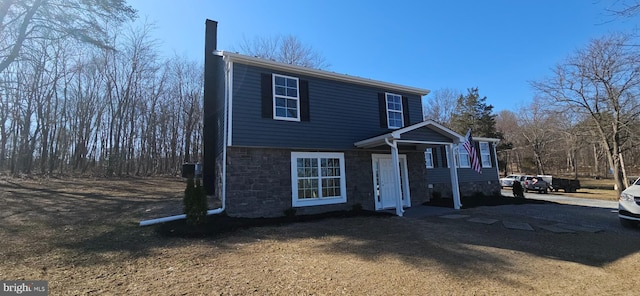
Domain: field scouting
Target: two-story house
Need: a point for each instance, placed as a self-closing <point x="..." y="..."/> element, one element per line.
<point x="279" y="136"/>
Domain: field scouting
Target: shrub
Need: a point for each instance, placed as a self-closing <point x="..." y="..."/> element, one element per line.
<point x="517" y="190"/>
<point x="436" y="195"/>
<point x="195" y="202"/>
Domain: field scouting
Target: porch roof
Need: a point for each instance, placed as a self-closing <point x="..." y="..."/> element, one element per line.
<point x="397" y="135"/>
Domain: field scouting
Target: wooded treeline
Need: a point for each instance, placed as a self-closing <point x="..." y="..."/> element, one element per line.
<point x="583" y="120"/>
<point x="72" y="109"/>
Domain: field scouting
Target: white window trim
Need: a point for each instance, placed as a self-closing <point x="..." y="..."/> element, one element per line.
<point x="461" y="152"/>
<point x="485" y="156"/>
<point x="428" y="156"/>
<point x="323" y="200"/>
<point x="273" y="95"/>
<point x="386" y="101"/>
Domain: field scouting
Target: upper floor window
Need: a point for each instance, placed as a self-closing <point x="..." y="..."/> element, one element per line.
<point x="395" y="118"/>
<point x="485" y="154"/>
<point x="286" y="98"/>
<point x="428" y="157"/>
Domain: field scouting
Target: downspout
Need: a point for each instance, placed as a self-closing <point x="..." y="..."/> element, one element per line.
<point x="396" y="168"/>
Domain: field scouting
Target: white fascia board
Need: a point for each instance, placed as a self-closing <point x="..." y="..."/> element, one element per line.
<point x="434" y="126"/>
<point x="481" y="139"/>
<point x="243" y="59"/>
<point x="421" y="142"/>
<point x="373" y="142"/>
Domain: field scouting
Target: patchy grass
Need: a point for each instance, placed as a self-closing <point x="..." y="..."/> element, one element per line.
<point x="83" y="237"/>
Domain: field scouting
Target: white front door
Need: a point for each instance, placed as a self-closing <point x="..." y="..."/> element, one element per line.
<point x="385" y="187"/>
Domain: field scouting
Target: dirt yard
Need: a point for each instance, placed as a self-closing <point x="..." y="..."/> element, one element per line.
<point x="83" y="237"/>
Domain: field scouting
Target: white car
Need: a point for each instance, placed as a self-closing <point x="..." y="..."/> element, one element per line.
<point x="629" y="205"/>
<point x="508" y="180"/>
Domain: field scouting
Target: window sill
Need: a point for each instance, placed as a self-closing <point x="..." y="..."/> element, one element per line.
<point x="298" y="203"/>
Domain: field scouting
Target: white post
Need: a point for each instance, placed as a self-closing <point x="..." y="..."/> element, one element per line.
<point x="396" y="169"/>
<point x="455" y="186"/>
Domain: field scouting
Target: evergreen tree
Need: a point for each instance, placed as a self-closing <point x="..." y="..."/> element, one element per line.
<point x="472" y="112"/>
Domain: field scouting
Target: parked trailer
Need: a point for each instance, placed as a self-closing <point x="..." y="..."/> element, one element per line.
<point x="555" y="184"/>
<point x="568" y="185"/>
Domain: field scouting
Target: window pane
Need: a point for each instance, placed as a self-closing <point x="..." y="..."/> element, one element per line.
<point x="280" y="80"/>
<point x="281" y="112"/>
<point x="292" y="103"/>
<point x="292" y="113"/>
<point x="280" y="91"/>
<point x="484" y="147"/>
<point x="280" y="102"/>
<point x="292" y="92"/>
<point x="292" y="83"/>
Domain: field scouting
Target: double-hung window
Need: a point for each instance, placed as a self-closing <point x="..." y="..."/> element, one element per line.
<point x="317" y="178"/>
<point x="428" y="157"/>
<point x="485" y="154"/>
<point x="395" y="118"/>
<point x="286" y="98"/>
<point x="463" y="157"/>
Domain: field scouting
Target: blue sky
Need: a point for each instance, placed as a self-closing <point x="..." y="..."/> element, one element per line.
<point x="495" y="45"/>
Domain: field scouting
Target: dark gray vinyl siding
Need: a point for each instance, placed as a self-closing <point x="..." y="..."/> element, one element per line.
<point x="425" y="134"/>
<point x="340" y="113"/>
<point x="219" y="105"/>
<point x="442" y="174"/>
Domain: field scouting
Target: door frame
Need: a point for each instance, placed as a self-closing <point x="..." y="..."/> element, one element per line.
<point x="406" y="192"/>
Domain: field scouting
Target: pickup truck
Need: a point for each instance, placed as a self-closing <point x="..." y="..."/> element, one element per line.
<point x="535" y="183"/>
<point x="508" y="180"/>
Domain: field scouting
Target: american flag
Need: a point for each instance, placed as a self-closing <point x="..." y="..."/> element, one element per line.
<point x="473" y="156"/>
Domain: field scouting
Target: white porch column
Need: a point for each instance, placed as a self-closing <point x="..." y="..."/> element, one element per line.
<point x="396" y="169"/>
<point x="455" y="187"/>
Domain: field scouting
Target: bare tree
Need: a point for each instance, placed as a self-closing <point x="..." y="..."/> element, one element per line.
<point x="440" y="105"/>
<point x="540" y="131"/>
<point x="22" y="20"/>
<point x="285" y="49"/>
<point x="602" y="82"/>
<point x="507" y="123"/>
<point x="624" y="8"/>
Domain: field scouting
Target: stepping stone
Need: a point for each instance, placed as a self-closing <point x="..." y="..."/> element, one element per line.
<point x="578" y="228"/>
<point x="455" y="216"/>
<point x="517" y="225"/>
<point x="556" y="229"/>
<point x="483" y="220"/>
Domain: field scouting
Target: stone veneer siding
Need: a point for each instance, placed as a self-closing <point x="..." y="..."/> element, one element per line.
<point x="488" y="188"/>
<point x="259" y="182"/>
